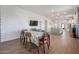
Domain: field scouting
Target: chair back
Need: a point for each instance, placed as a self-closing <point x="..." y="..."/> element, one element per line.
<point x="29" y="34"/>
<point x="46" y="36"/>
<point x="22" y="32"/>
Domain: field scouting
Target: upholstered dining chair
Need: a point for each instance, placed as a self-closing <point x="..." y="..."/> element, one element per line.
<point x="22" y="37"/>
<point x="29" y="36"/>
<point x="45" y="39"/>
<point x="27" y="39"/>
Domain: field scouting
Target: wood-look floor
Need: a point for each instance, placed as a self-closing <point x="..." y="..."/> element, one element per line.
<point x="59" y="44"/>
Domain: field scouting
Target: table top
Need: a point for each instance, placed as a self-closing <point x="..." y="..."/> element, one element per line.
<point x="35" y="36"/>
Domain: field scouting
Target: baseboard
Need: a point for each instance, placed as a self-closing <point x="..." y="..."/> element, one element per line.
<point x="9" y="39"/>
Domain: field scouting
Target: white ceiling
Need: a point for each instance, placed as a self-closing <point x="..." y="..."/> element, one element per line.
<point x="46" y="10"/>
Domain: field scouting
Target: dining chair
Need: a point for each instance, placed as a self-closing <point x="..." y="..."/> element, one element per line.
<point x="27" y="39"/>
<point x="29" y="36"/>
<point x="45" y="39"/>
<point x="22" y="37"/>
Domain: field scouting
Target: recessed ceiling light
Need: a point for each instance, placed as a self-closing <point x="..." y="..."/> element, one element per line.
<point x="65" y="12"/>
<point x="53" y="15"/>
<point x="53" y="10"/>
<point x="69" y="16"/>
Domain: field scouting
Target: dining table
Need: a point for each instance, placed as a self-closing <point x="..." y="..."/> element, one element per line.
<point x="35" y="36"/>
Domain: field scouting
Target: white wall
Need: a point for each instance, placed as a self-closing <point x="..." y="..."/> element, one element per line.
<point x="0" y="25"/>
<point x="14" y="19"/>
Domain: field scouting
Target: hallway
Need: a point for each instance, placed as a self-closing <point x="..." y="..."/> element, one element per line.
<point x="64" y="44"/>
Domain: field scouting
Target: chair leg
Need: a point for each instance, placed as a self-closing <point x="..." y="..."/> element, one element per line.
<point x="38" y="50"/>
<point x="23" y="41"/>
<point x="20" y="39"/>
<point x="43" y="48"/>
<point x="48" y="45"/>
<point x="49" y="42"/>
<point x="30" y="40"/>
<point x="29" y="44"/>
